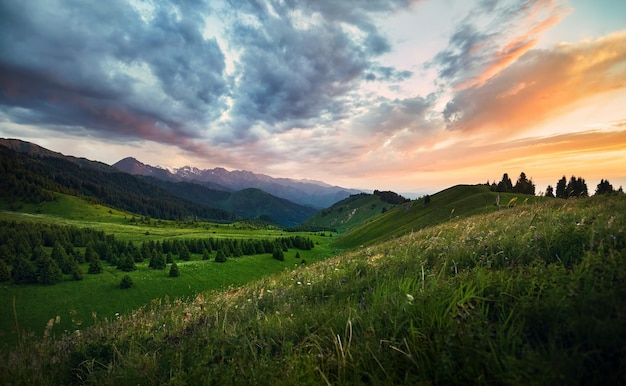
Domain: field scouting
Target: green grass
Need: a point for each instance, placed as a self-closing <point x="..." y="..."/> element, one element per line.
<point x="348" y="213"/>
<point x="529" y="295"/>
<point x="455" y="202"/>
<point x="76" y="301"/>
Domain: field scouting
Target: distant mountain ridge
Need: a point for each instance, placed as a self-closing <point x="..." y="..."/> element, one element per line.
<point x="31" y="173"/>
<point x="316" y="194"/>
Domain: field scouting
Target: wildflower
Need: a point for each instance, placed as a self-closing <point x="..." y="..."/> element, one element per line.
<point x="410" y="298"/>
<point x="537" y="237"/>
<point x="299" y="283"/>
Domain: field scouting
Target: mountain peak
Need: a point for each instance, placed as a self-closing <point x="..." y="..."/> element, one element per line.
<point x="305" y="192"/>
<point x="131" y="165"/>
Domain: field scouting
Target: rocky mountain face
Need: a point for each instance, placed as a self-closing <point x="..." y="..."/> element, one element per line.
<point x="305" y="192"/>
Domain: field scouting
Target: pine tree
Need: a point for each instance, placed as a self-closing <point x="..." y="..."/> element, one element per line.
<point x="77" y="273"/>
<point x="505" y="185"/>
<point x="5" y="273"/>
<point x="126" y="263"/>
<point x="174" y="270"/>
<point x="278" y="253"/>
<point x="604" y="187"/>
<point x="126" y="282"/>
<point x="561" y="187"/>
<point x="157" y="261"/>
<point x="220" y="257"/>
<point x="24" y="272"/>
<point x="95" y="266"/>
<point x="184" y="254"/>
<point x="49" y="271"/>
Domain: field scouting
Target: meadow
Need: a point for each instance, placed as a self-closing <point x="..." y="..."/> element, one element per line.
<point x="531" y="294"/>
<point x="26" y="309"/>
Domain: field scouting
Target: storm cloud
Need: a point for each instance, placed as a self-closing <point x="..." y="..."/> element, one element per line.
<point x="156" y="70"/>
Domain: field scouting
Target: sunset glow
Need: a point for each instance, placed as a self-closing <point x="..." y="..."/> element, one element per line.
<point x="410" y="96"/>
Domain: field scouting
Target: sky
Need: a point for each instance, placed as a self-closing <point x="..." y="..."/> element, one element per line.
<point x="412" y="96"/>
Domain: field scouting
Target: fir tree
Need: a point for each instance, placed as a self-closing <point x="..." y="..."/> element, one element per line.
<point x="126" y="282"/>
<point x="95" y="266"/>
<point x="157" y="261"/>
<point x="220" y="257"/>
<point x="77" y="273"/>
<point x="24" y="272"/>
<point x="278" y="253"/>
<point x="5" y="273"/>
<point x="49" y="271"/>
<point x="174" y="270"/>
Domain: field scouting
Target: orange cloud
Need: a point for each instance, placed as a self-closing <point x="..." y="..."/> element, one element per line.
<point x="533" y="24"/>
<point x="541" y="85"/>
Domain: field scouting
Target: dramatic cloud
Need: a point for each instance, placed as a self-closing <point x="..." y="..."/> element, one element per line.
<point x="153" y="70"/>
<point x="494" y="36"/>
<point x="110" y="68"/>
<point x="299" y="60"/>
<point x="540" y="85"/>
<point x="378" y="93"/>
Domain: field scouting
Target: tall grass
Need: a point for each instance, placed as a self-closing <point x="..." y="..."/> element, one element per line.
<point x="527" y="295"/>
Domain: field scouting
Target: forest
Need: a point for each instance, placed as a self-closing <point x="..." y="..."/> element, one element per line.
<point x="32" y="253"/>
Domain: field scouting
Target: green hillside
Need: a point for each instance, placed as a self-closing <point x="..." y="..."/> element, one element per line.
<point x="455" y="202"/>
<point x="34" y="179"/>
<point x="247" y="203"/>
<point x="532" y="294"/>
<point x="348" y="213"/>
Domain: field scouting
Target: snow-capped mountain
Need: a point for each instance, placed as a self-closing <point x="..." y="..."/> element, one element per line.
<point x="306" y="192"/>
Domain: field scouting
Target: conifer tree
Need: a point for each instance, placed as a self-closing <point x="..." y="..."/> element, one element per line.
<point x="220" y="257"/>
<point x="174" y="270"/>
<point x="157" y="261"/>
<point x="24" y="272"/>
<point x="278" y="253"/>
<point x="126" y="282"/>
<point x="49" y="271"/>
<point x="95" y="265"/>
<point x="77" y="273"/>
<point x="5" y="273"/>
<point x="561" y="186"/>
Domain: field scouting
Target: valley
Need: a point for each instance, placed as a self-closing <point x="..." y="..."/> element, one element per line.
<point x="463" y="285"/>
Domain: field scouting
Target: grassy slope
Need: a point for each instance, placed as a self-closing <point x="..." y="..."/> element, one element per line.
<point x="455" y="202"/>
<point x="35" y="304"/>
<point x="529" y="295"/>
<point x="348" y="212"/>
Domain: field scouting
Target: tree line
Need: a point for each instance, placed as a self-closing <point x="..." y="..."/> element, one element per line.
<point x="42" y="253"/>
<point x="575" y="187"/>
<point x="523" y="185"/>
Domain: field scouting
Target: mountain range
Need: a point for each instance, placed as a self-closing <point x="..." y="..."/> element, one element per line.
<point x="311" y="193"/>
<point x="31" y="173"/>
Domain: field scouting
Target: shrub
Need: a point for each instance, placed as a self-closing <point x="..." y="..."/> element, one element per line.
<point x="126" y="282"/>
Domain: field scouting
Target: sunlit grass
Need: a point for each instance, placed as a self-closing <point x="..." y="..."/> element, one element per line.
<point x="486" y="299"/>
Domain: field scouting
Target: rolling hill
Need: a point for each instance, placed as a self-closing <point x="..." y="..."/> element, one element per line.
<point x="454" y="202"/>
<point x="248" y="203"/>
<point x="531" y="294"/>
<point x="347" y="213"/>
